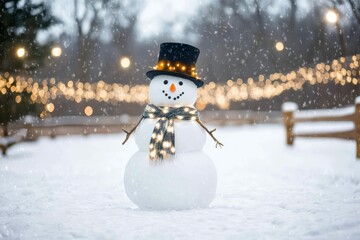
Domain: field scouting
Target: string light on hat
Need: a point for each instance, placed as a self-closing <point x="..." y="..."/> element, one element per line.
<point x="176" y="67"/>
<point x="342" y="71"/>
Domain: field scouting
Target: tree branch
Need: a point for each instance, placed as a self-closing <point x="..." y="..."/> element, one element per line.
<point x="128" y="133"/>
<point x="353" y="8"/>
<point x="210" y="133"/>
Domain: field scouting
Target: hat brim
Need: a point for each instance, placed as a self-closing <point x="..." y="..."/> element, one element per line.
<point x="153" y="73"/>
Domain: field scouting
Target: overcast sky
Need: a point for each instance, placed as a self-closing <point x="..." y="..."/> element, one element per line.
<point x="157" y="17"/>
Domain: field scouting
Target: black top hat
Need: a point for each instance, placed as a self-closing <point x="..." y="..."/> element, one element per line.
<point x="177" y="59"/>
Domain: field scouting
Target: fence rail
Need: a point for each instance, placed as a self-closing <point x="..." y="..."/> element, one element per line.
<point x="81" y="125"/>
<point x="289" y="109"/>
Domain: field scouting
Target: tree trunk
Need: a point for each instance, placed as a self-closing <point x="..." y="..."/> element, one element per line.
<point x="3" y="150"/>
<point x="5" y="134"/>
<point x="341" y="39"/>
<point x="293" y="10"/>
<point x="6" y="129"/>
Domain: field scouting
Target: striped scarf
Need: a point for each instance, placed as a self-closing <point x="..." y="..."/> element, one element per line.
<point x="162" y="143"/>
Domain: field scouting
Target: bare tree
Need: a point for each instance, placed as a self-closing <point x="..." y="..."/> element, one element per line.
<point x="355" y="7"/>
<point x="87" y="26"/>
<point x="293" y="10"/>
<point x="94" y="20"/>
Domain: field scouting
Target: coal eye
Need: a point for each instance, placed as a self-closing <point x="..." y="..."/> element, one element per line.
<point x="166" y="82"/>
<point x="180" y="83"/>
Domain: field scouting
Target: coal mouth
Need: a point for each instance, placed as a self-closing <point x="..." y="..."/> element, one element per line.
<point x="171" y="97"/>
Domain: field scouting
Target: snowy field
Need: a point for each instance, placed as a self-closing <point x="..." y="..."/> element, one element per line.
<point x="72" y="188"/>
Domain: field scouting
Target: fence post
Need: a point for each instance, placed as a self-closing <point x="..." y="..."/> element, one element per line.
<point x="288" y="109"/>
<point x="357" y="126"/>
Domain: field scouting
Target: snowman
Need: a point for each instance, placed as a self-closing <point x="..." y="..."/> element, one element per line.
<point x="170" y="170"/>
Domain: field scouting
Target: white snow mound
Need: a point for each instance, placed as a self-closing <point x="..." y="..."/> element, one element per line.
<point x="72" y="188"/>
<point x="289" y="107"/>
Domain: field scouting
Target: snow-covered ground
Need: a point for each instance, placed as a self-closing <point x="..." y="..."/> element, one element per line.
<point x="72" y="188"/>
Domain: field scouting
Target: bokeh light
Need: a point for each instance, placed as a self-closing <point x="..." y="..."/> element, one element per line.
<point x="50" y="107"/>
<point x="18" y="99"/>
<point x="279" y="46"/>
<point x="88" y="111"/>
<point x="125" y="62"/>
<point x="331" y="16"/>
<point x="56" y="52"/>
<point x="20" y="52"/>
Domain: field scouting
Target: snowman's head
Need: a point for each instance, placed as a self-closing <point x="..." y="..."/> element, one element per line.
<point x="166" y="90"/>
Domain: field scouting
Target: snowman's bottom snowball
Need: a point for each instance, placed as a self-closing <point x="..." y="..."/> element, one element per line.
<point x="186" y="181"/>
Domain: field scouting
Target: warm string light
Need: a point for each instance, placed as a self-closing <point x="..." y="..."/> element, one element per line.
<point x="178" y="67"/>
<point x="342" y="71"/>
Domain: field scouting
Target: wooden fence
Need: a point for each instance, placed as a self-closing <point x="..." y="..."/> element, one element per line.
<point x="289" y="116"/>
<point x="81" y="125"/>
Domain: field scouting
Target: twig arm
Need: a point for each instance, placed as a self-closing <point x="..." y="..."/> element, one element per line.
<point x="128" y="133"/>
<point x="210" y="133"/>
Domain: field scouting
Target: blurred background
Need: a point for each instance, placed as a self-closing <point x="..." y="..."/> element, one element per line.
<point x="89" y="58"/>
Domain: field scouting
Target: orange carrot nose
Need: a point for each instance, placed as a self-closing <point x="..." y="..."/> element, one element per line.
<point x="172" y="88"/>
